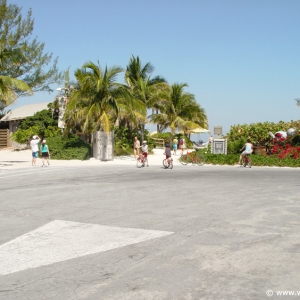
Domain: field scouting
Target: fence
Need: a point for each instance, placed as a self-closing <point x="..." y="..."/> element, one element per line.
<point x="4" y="138"/>
<point x="160" y="143"/>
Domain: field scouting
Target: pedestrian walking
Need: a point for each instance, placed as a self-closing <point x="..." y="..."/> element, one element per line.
<point x="182" y="145"/>
<point x="136" y="147"/>
<point x="35" y="149"/>
<point x="45" y="153"/>
<point x="175" y="143"/>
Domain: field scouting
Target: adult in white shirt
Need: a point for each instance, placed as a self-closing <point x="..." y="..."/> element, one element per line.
<point x="34" y="144"/>
<point x="248" y="150"/>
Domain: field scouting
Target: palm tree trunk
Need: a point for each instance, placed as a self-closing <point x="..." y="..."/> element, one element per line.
<point x="171" y="138"/>
<point x="142" y="131"/>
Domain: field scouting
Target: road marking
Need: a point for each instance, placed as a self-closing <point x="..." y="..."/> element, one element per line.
<point x="29" y="171"/>
<point x="62" y="240"/>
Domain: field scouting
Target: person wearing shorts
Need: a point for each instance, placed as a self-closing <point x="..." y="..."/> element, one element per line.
<point x="35" y="149"/>
<point x="136" y="147"/>
<point x="145" y="151"/>
<point x="45" y="153"/>
<point x="182" y="145"/>
<point x="168" y="152"/>
<point x="248" y="150"/>
<point x="175" y="143"/>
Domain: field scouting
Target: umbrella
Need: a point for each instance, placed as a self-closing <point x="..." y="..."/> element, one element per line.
<point x="198" y="130"/>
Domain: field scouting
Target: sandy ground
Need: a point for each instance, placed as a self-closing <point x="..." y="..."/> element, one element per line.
<point x="11" y="159"/>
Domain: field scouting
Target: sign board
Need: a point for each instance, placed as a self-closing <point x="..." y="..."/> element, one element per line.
<point x="62" y="105"/>
<point x="219" y="146"/>
<point x="217" y="130"/>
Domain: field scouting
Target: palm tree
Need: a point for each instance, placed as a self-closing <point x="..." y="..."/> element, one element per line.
<point x="142" y="87"/>
<point x="96" y="99"/>
<point x="179" y="110"/>
<point x="9" y="85"/>
<point x="135" y="71"/>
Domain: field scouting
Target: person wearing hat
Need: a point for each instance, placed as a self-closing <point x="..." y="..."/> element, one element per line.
<point x="35" y="149"/>
<point x="45" y="153"/>
<point x="145" y="151"/>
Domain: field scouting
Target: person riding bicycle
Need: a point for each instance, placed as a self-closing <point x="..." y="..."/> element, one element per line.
<point x="248" y="150"/>
<point x="168" y="153"/>
<point x="145" y="151"/>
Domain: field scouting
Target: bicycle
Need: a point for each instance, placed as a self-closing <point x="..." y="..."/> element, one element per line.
<point x="140" y="162"/>
<point x="192" y="157"/>
<point x="247" y="161"/>
<point x="168" y="163"/>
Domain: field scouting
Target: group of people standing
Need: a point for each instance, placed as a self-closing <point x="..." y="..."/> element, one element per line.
<point x="44" y="150"/>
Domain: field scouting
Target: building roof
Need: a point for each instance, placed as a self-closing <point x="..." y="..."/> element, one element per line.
<point x="24" y="111"/>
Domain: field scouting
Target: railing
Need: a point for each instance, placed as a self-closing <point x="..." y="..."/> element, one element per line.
<point x="4" y="138"/>
<point x="160" y="143"/>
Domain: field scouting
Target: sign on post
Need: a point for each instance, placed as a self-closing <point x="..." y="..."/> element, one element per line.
<point x="219" y="146"/>
<point x="218" y="130"/>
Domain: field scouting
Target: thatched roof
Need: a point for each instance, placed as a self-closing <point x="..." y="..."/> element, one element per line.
<point x="24" y="111"/>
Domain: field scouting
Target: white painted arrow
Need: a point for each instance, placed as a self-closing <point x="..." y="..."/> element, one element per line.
<point x="62" y="240"/>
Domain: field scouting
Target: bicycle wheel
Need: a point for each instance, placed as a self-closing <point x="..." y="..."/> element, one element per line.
<point x="249" y="162"/>
<point x="139" y="162"/>
<point x="199" y="159"/>
<point x="165" y="164"/>
<point x="184" y="159"/>
<point x="244" y="162"/>
<point x="171" y="165"/>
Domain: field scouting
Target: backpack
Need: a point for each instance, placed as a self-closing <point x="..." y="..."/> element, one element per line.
<point x="181" y="142"/>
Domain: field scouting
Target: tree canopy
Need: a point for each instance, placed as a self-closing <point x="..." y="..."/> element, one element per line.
<point x="9" y="85"/>
<point x="30" y="67"/>
<point x="99" y="101"/>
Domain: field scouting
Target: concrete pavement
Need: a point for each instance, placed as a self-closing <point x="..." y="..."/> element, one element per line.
<point x="10" y="159"/>
<point x="112" y="231"/>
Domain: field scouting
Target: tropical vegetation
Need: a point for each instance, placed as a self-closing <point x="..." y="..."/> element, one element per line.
<point x="179" y="110"/>
<point x="44" y="124"/>
<point x="101" y="103"/>
<point x="9" y="86"/>
<point x="258" y="133"/>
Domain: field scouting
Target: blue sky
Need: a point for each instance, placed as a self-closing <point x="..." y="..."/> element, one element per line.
<point x="239" y="58"/>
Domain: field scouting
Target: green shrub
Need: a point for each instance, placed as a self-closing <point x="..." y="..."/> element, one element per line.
<point x="121" y="151"/>
<point x="221" y="159"/>
<point x="258" y="133"/>
<point x="23" y="136"/>
<point x="71" y="147"/>
<point x="41" y="124"/>
<point x="162" y="135"/>
<point x="234" y="147"/>
<point x="257" y="160"/>
<point x="42" y="119"/>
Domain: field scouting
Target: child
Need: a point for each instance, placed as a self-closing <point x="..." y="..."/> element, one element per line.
<point x="168" y="153"/>
<point x="145" y="151"/>
<point x="175" y="142"/>
<point x="248" y="150"/>
<point x="45" y="152"/>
